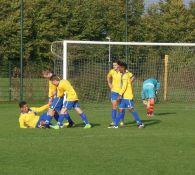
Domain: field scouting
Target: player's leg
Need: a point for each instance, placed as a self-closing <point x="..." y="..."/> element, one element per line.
<point x="120" y="114"/>
<point x="150" y="107"/>
<point x="77" y="108"/>
<point x="145" y="97"/>
<point x="44" y="121"/>
<point x="66" y="114"/>
<point x="130" y="105"/>
<point x="114" y="102"/>
<point x="56" y="106"/>
<point x="62" y="116"/>
<point x="151" y="97"/>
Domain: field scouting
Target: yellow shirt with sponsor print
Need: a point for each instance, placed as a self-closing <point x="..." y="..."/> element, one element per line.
<point x="65" y="87"/>
<point x="126" y="89"/>
<point x="52" y="90"/>
<point x="30" y="119"/>
<point x="116" y="80"/>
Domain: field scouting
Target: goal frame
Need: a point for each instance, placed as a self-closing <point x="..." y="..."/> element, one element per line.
<point x="66" y="42"/>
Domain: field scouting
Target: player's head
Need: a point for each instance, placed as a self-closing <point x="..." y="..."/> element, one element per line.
<point x="115" y="64"/>
<point x="47" y="73"/>
<point x="23" y="107"/>
<point x="55" y="80"/>
<point x="122" y="67"/>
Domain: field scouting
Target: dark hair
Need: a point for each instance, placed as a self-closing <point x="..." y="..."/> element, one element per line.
<point x="22" y="103"/>
<point x="47" y="71"/>
<point x="55" y="77"/>
<point x="116" y="61"/>
<point x="123" y="64"/>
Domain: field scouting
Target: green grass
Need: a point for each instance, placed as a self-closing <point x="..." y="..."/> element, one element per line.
<point x="166" y="146"/>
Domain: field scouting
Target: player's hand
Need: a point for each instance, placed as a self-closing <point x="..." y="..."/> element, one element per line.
<point x="50" y="101"/>
<point x="110" y="86"/>
<point x="118" y="98"/>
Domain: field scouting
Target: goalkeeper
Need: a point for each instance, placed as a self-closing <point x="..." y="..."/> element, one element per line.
<point x="149" y="91"/>
<point x="30" y="119"/>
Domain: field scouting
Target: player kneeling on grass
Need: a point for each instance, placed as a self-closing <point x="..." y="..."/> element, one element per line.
<point x="126" y="97"/>
<point x="64" y="87"/>
<point x="29" y="118"/>
<point x="149" y="90"/>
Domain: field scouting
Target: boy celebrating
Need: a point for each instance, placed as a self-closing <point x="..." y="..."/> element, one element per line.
<point x="71" y="101"/>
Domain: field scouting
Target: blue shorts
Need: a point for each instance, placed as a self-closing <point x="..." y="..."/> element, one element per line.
<point x="114" y="96"/>
<point x="71" y="104"/>
<point x="148" y="93"/>
<point x="126" y="103"/>
<point x="43" y="117"/>
<point x="57" y="104"/>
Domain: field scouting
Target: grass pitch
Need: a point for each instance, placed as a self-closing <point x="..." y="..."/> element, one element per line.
<point x="165" y="146"/>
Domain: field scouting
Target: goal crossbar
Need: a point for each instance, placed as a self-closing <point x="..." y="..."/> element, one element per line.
<point x="66" y="42"/>
<point x="125" y="43"/>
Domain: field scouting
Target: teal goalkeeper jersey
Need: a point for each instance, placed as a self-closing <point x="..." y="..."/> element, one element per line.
<point x="151" y="83"/>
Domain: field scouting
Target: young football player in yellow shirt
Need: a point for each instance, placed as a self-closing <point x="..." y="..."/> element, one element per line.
<point x="71" y="101"/>
<point x="126" y="97"/>
<point x="29" y="117"/>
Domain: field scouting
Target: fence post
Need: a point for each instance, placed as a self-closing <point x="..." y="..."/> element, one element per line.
<point x="166" y="76"/>
<point x="10" y="81"/>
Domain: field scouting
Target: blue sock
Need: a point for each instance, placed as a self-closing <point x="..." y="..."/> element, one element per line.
<point x="84" y="118"/>
<point x="67" y="117"/>
<point x="56" y="116"/>
<point x="118" y="118"/>
<point x="136" y="117"/>
<point x="61" y="119"/>
<point x="123" y="116"/>
<point x="114" y="112"/>
<point x="47" y="120"/>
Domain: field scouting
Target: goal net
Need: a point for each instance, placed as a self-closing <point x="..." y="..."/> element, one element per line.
<point x="86" y="64"/>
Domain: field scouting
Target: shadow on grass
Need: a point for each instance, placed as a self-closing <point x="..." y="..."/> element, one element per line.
<point x="82" y="125"/>
<point x="165" y="113"/>
<point x="146" y="122"/>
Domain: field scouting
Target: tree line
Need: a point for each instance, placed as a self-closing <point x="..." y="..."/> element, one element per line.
<point x="48" y="21"/>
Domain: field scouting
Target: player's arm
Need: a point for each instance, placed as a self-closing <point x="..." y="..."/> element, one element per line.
<point x="124" y="85"/>
<point x="52" y="91"/>
<point x="132" y="77"/>
<point x="60" y="91"/>
<point x="109" y="79"/>
<point x="158" y="85"/>
<point x="22" y="122"/>
<point x="40" y="109"/>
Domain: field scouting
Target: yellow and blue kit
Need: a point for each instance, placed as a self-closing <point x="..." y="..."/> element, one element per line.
<point x="31" y="119"/>
<point x="52" y="90"/>
<point x="116" y="83"/>
<point x="126" y="101"/>
<point x="71" y="100"/>
<point x="126" y="90"/>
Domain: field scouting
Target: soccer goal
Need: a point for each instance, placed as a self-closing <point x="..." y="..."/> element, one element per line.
<point x="86" y="64"/>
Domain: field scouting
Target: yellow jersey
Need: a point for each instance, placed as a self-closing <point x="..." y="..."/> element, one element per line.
<point x="116" y="80"/>
<point x="30" y="119"/>
<point x="52" y="90"/>
<point x="65" y="87"/>
<point x="126" y="89"/>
